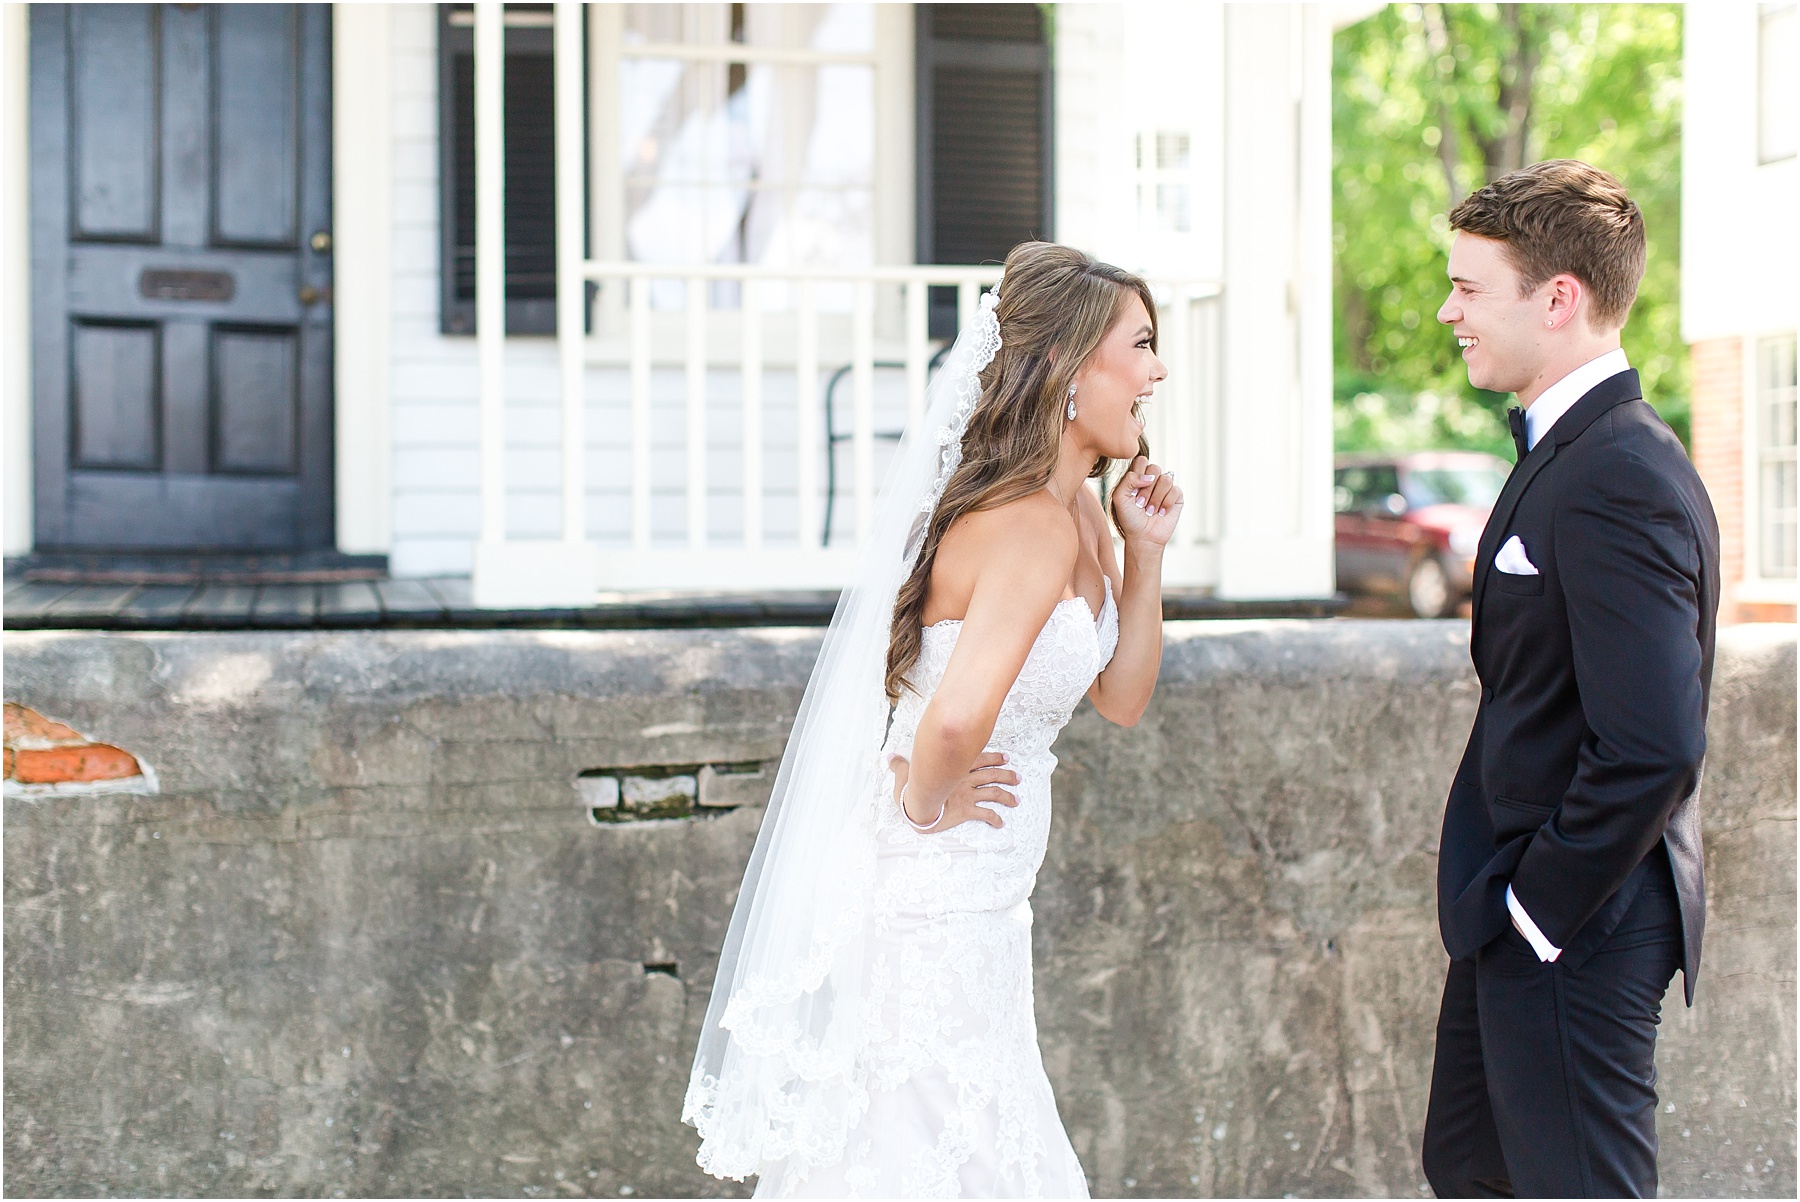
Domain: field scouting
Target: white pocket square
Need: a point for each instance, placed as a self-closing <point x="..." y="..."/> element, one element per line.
<point x="1512" y="559"/>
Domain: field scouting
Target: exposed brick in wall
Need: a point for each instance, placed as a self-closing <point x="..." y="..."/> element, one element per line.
<point x="1764" y="611"/>
<point x="42" y="751"/>
<point x="1717" y="365"/>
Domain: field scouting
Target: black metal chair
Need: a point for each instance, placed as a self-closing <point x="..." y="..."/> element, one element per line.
<point x="832" y="437"/>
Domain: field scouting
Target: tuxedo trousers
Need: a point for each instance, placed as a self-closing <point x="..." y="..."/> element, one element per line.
<point x="1544" y="1081"/>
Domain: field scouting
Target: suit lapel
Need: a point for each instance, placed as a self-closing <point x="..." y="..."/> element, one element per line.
<point x="1495" y="531"/>
<point x="1614" y="390"/>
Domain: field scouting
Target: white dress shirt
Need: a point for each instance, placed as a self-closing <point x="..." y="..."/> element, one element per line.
<point x="1546" y="951"/>
<point x="1540" y="416"/>
<point x="1557" y="399"/>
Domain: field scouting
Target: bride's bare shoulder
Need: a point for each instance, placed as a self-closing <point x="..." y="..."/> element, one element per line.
<point x="1029" y="543"/>
<point x="1032" y="526"/>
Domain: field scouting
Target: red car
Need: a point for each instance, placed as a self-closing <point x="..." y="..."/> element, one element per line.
<point x="1407" y="525"/>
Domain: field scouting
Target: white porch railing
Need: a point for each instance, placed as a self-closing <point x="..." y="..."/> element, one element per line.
<point x="794" y="326"/>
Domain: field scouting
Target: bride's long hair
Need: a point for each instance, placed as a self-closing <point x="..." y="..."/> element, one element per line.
<point x="1056" y="304"/>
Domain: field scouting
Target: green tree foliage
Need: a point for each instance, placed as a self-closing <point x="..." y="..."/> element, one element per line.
<point x="1432" y="101"/>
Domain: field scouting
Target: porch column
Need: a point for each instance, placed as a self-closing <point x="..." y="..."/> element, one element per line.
<point x="530" y="573"/>
<point x="362" y="274"/>
<point x="1276" y="520"/>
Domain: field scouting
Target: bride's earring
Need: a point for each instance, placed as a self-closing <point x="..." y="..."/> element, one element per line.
<point x="1071" y="402"/>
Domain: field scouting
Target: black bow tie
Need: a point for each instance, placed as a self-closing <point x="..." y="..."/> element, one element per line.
<point x="1515" y="421"/>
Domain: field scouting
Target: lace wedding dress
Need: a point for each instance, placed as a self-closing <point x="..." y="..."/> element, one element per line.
<point x="957" y="1101"/>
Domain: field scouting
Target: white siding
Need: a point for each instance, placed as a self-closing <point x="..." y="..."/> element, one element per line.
<point x="1125" y="71"/>
<point x="1738" y="243"/>
<point x="1248" y="85"/>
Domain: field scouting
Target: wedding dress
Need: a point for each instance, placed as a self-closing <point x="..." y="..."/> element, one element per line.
<point x="959" y="1105"/>
<point x="871" y="1028"/>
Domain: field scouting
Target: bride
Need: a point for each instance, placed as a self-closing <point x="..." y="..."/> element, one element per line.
<point x="871" y="1030"/>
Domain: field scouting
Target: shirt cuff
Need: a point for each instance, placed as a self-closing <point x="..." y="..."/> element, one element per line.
<point x="1546" y="951"/>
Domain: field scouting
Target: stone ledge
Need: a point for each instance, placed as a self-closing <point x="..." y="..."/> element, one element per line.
<point x="252" y="603"/>
<point x="368" y="929"/>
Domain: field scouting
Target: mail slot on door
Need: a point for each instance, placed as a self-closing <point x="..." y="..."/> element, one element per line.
<point x="158" y="283"/>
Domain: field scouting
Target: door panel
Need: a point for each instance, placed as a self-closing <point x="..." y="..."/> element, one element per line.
<point x="114" y="374"/>
<point x="255" y="376"/>
<point x="1392" y="541"/>
<point x="257" y="129"/>
<point x="113" y="111"/>
<point x="186" y="399"/>
<point x="1356" y="545"/>
<point x="263" y="287"/>
<point x="238" y="511"/>
<point x="187" y="128"/>
<point x="182" y="385"/>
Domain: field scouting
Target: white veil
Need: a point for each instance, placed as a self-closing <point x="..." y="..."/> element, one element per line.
<point x="775" y="1074"/>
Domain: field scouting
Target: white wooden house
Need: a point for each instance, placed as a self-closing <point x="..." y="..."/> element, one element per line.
<point x="727" y="240"/>
<point x="1740" y="189"/>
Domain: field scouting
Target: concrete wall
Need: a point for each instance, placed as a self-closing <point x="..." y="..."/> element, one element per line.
<point x="368" y="939"/>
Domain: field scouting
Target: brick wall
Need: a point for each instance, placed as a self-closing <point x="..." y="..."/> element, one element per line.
<point x="1717" y="365"/>
<point x="46" y="756"/>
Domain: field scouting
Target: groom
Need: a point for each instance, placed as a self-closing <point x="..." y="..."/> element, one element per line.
<point x="1569" y="871"/>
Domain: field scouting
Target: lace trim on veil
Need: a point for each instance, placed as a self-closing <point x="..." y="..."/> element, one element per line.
<point x="778" y="1073"/>
<point x="809" y="1087"/>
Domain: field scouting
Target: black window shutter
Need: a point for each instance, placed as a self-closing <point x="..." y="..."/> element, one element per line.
<point x="984" y="136"/>
<point x="530" y="173"/>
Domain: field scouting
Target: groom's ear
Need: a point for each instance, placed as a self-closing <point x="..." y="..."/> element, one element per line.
<point x="1567" y="300"/>
<point x="1565" y="297"/>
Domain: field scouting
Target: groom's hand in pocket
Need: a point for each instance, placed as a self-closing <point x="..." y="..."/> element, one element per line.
<point x="983" y="782"/>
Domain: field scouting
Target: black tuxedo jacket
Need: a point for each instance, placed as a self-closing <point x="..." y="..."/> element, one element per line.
<point x="1591" y="732"/>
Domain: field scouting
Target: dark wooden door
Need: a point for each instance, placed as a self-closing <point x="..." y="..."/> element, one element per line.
<point x="181" y="275"/>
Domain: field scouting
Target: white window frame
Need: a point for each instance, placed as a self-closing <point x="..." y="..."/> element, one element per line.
<point x="1755" y="586"/>
<point x="891" y="61"/>
<point x="1152" y="176"/>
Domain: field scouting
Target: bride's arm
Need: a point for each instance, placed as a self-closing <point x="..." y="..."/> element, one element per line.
<point x="1024" y="553"/>
<point x="1121" y="693"/>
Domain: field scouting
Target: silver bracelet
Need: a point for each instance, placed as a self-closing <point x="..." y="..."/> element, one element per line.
<point x="921" y="827"/>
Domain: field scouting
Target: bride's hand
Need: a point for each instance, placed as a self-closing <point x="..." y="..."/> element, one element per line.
<point x="1147" y="503"/>
<point x="981" y="784"/>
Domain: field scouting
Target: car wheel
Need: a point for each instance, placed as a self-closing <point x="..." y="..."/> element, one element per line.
<point x="1428" y="588"/>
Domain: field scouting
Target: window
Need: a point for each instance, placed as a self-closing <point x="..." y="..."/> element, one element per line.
<point x="1476" y="487"/>
<point x="1165" y="189"/>
<point x="746" y="135"/>
<point x="1777" y="41"/>
<point x="1775" y="486"/>
<point x="530" y="169"/>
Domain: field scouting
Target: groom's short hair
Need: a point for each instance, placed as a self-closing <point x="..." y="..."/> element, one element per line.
<point x="1560" y="216"/>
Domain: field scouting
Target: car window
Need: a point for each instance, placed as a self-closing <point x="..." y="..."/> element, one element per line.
<point x="1477" y="487"/>
<point x="1360" y="489"/>
<point x="1383" y="483"/>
